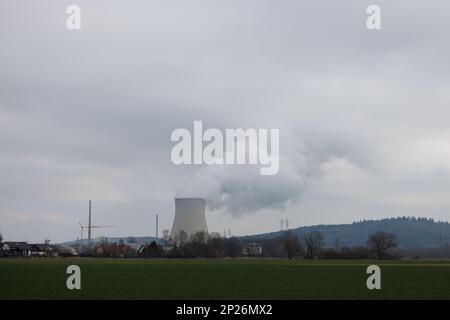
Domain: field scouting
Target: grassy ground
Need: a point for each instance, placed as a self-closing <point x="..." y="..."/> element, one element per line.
<point x="222" y="279"/>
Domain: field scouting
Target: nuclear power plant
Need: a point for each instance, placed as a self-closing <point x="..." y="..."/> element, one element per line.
<point x="189" y="216"/>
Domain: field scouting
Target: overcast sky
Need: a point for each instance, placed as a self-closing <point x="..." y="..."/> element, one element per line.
<point x="363" y="115"/>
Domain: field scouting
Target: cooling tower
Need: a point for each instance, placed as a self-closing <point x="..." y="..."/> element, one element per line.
<point x="189" y="216"/>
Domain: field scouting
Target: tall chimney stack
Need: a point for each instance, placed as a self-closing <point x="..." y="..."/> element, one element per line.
<point x="156" y="226"/>
<point x="89" y="227"/>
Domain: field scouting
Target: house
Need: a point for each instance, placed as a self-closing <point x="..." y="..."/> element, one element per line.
<point x="63" y="250"/>
<point x="40" y="250"/>
<point x="252" y="249"/>
<point x="16" y="249"/>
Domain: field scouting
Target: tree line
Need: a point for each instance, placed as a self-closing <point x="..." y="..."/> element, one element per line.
<point x="379" y="245"/>
<point x="289" y="245"/>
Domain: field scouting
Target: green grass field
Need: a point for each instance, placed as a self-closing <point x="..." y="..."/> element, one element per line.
<point x="222" y="279"/>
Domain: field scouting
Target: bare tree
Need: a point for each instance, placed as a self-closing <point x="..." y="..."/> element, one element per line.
<point x="182" y="238"/>
<point x="290" y="244"/>
<point x="380" y="242"/>
<point x="233" y="247"/>
<point x="217" y="245"/>
<point x="102" y="247"/>
<point x="166" y="236"/>
<point x="314" y="243"/>
<point x="199" y="237"/>
<point x="214" y="235"/>
<point x="152" y="250"/>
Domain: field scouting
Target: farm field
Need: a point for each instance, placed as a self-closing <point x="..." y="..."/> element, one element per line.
<point x="41" y="278"/>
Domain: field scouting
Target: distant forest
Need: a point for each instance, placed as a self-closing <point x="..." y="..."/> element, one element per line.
<point x="411" y="232"/>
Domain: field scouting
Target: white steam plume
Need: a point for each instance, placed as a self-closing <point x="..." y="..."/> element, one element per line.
<point x="240" y="189"/>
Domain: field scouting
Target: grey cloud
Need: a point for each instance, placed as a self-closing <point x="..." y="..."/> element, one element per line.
<point x="89" y="114"/>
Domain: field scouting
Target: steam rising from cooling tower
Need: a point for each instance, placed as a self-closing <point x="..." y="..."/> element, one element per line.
<point x="240" y="189"/>
<point x="189" y="216"/>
